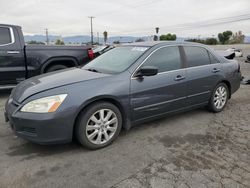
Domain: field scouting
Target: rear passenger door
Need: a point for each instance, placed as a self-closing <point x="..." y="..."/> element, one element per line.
<point x="161" y="93"/>
<point x="203" y="72"/>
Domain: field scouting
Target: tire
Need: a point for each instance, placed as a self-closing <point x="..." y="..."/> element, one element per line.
<point x="221" y="92"/>
<point x="55" y="68"/>
<point x="93" y="132"/>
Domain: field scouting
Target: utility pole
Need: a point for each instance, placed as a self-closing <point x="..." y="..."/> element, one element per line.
<point x="91" y="29"/>
<point x="98" y="37"/>
<point x="157" y="31"/>
<point x="47" y="36"/>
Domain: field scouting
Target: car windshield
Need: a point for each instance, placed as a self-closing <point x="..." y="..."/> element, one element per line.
<point x="116" y="60"/>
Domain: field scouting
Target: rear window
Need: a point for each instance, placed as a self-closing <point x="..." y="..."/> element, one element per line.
<point x="116" y="60"/>
<point x="5" y="37"/>
<point x="196" y="56"/>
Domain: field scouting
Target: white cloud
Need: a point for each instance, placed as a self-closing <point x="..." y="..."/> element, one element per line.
<point x="137" y="17"/>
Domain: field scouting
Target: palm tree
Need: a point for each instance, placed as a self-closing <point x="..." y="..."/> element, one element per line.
<point x="157" y="31"/>
<point x="105" y="35"/>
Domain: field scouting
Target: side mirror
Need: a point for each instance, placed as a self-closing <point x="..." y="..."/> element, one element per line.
<point x="147" y="71"/>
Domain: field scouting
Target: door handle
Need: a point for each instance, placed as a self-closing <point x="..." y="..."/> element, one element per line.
<point x="13" y="52"/>
<point x="179" y="77"/>
<point x="215" y="70"/>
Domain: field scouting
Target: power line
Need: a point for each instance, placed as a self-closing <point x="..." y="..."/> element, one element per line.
<point x="122" y="9"/>
<point x="211" y="22"/>
<point x="193" y="25"/>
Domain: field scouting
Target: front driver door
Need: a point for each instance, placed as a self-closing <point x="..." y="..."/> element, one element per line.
<point x="164" y="92"/>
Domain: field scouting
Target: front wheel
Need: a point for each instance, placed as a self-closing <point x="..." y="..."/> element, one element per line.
<point x="219" y="98"/>
<point x="98" y="125"/>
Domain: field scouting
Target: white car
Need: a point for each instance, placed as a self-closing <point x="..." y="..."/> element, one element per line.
<point x="238" y="52"/>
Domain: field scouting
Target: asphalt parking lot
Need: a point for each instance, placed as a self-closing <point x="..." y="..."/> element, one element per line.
<point x="192" y="149"/>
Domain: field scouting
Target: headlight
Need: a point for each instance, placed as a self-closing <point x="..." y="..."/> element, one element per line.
<point x="44" y="105"/>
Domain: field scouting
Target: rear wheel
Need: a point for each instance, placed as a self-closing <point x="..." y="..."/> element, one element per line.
<point x="219" y="98"/>
<point x="55" y="68"/>
<point x="98" y="125"/>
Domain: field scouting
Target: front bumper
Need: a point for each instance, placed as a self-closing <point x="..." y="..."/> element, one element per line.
<point x="49" y="128"/>
<point x="6" y="116"/>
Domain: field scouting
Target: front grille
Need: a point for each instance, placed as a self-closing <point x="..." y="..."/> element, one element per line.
<point x="28" y="130"/>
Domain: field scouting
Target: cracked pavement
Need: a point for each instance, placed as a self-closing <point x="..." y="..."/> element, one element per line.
<point x="192" y="149"/>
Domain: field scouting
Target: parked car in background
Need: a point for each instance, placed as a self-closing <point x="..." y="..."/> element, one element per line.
<point x="227" y="54"/>
<point x="248" y="59"/>
<point x="238" y="52"/>
<point x="19" y="62"/>
<point x="125" y="86"/>
<point x="102" y="49"/>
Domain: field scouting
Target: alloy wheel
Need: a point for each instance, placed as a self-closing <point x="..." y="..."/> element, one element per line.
<point x="220" y="97"/>
<point x="101" y="126"/>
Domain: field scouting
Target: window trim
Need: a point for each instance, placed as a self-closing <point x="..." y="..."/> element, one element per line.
<point x="11" y="36"/>
<point x="151" y="53"/>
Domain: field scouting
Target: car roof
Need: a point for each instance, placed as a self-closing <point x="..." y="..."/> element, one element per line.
<point x="9" y="25"/>
<point x="161" y="43"/>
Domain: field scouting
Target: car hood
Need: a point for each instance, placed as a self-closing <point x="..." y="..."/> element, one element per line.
<point x="52" y="80"/>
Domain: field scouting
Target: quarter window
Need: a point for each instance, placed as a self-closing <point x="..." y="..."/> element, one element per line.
<point x="5" y="37"/>
<point x="213" y="60"/>
<point x="196" y="56"/>
<point x="165" y="59"/>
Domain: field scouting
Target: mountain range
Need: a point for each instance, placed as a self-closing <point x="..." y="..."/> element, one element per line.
<point x="85" y="39"/>
<point x="81" y="38"/>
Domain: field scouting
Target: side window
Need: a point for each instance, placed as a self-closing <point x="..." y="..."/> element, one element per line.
<point x="165" y="59"/>
<point x="196" y="56"/>
<point x="5" y="37"/>
<point x="213" y="59"/>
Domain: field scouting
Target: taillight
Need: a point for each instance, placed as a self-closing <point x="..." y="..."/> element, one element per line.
<point x="91" y="54"/>
<point x="238" y="67"/>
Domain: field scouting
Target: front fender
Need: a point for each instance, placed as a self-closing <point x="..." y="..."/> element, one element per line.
<point x="121" y="104"/>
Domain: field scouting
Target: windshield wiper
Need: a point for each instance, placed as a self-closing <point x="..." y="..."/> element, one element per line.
<point x="93" y="70"/>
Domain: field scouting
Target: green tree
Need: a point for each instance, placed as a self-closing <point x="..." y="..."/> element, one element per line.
<point x="35" y="42"/>
<point x="237" y="38"/>
<point x="105" y="35"/>
<point x="59" y="42"/>
<point x="157" y="30"/>
<point x="168" y="36"/>
<point x="225" y="36"/>
<point x="211" y="41"/>
<point x="196" y="40"/>
<point x="155" y="38"/>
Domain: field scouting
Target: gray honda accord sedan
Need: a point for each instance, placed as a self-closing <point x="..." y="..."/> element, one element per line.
<point x="127" y="85"/>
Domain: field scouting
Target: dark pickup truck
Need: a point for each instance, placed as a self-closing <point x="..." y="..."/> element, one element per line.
<point x="19" y="61"/>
